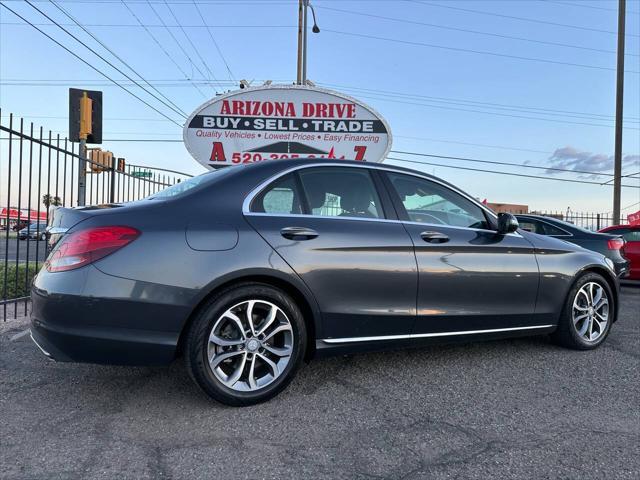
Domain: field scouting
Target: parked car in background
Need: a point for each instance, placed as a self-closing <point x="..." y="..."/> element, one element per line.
<point x="631" y="249"/>
<point x="19" y="225"/>
<point x="251" y="269"/>
<point x="35" y="231"/>
<point x="610" y="245"/>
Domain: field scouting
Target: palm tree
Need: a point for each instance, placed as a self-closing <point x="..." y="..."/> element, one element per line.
<point x="49" y="200"/>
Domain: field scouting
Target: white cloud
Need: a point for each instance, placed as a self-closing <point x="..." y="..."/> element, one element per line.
<point x="571" y="158"/>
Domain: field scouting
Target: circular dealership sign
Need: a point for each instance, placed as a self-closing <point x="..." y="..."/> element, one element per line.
<point x="285" y="121"/>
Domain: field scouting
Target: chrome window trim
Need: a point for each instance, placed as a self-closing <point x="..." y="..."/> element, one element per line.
<point x="246" y="204"/>
<point x="413" y="336"/>
<point x="56" y="230"/>
<point x="365" y="219"/>
<point x="47" y="354"/>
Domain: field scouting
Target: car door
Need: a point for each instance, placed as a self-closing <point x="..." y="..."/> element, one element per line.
<point x="330" y="223"/>
<point x="470" y="277"/>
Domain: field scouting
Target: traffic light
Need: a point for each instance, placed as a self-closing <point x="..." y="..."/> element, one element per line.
<point x="85" y="115"/>
<point x="120" y="166"/>
<point x="100" y="160"/>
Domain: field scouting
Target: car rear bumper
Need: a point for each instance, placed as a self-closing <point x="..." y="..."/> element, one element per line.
<point x="621" y="267"/>
<point x="105" y="347"/>
<point x="88" y="316"/>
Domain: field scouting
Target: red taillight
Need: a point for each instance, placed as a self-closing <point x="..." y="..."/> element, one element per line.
<point x="86" y="246"/>
<point x="615" y="244"/>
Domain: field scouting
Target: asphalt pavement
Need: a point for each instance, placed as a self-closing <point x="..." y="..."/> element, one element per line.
<point x="520" y="408"/>
<point x="15" y="248"/>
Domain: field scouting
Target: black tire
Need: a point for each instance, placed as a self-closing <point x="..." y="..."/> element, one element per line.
<point x="567" y="334"/>
<point x="197" y="343"/>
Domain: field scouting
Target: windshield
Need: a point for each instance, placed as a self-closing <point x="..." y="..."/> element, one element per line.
<point x="186" y="185"/>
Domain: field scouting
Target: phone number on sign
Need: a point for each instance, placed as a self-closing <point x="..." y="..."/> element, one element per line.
<point x="248" y="157"/>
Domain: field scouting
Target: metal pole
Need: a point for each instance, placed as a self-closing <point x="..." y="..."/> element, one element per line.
<point x="617" y="168"/>
<point x="304" y="43"/>
<point x="300" y="46"/>
<point x="112" y="184"/>
<point x="82" y="173"/>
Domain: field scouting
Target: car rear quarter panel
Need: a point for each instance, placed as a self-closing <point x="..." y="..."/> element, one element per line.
<point x="189" y="246"/>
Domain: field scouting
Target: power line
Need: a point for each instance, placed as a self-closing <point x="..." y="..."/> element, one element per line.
<point x="523" y="19"/>
<point x="519" y="165"/>
<point x="204" y="23"/>
<point x="425" y="139"/>
<point x="587" y="182"/>
<point x="478" y="52"/>
<point x="150" y="25"/>
<point x="491" y="113"/>
<point x="584" y="5"/>
<point x="197" y="50"/>
<point x="177" y="108"/>
<point x="457" y="142"/>
<point x="105" y="60"/>
<point x="175" y="39"/>
<point x="90" y="65"/>
<point x="477" y="32"/>
<point x="458" y="101"/>
<point x="157" y="42"/>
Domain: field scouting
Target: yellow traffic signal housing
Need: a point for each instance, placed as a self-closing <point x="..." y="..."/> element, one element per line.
<point x="86" y="113"/>
<point x="100" y="161"/>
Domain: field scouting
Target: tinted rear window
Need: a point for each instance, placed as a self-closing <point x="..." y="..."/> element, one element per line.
<point x="183" y="187"/>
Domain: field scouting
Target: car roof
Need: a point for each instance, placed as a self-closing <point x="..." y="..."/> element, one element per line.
<point x="274" y="166"/>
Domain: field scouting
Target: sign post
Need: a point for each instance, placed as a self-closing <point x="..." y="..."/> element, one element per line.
<point x="285" y="121"/>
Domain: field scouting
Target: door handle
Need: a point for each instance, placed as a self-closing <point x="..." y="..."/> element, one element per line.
<point x="434" y="237"/>
<point x="298" y="233"/>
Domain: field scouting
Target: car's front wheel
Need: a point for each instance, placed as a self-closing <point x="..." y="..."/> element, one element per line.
<point x="588" y="313"/>
<point x="245" y="344"/>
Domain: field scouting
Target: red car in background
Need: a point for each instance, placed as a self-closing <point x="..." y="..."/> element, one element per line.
<point x="631" y="248"/>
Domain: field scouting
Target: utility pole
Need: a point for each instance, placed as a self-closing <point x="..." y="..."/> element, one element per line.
<point x="617" y="155"/>
<point x="86" y="124"/>
<point x="303" y="5"/>
<point x="301" y="28"/>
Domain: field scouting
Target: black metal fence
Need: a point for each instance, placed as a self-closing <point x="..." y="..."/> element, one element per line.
<point x="39" y="171"/>
<point x="590" y="221"/>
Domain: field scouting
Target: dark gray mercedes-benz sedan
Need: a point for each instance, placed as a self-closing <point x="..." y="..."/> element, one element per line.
<point x="250" y="270"/>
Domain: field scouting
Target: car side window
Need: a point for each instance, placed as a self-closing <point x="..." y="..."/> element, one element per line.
<point x="631" y="235"/>
<point x="554" y="231"/>
<point x="281" y="197"/>
<point x="530" y="226"/>
<point x="428" y="202"/>
<point x="341" y="192"/>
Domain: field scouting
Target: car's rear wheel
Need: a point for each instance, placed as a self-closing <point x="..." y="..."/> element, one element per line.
<point x="589" y="311"/>
<point x="245" y="344"/>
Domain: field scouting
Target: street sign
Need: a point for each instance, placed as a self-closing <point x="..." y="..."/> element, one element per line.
<point x="142" y="174"/>
<point x="77" y="100"/>
<point x="285" y="121"/>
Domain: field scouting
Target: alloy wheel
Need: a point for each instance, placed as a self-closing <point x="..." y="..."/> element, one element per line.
<point x="250" y="345"/>
<point x="590" y="312"/>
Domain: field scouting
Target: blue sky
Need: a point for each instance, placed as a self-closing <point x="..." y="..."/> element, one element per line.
<point x="529" y="82"/>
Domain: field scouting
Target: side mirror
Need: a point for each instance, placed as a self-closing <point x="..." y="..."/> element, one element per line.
<point x="507" y="223"/>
